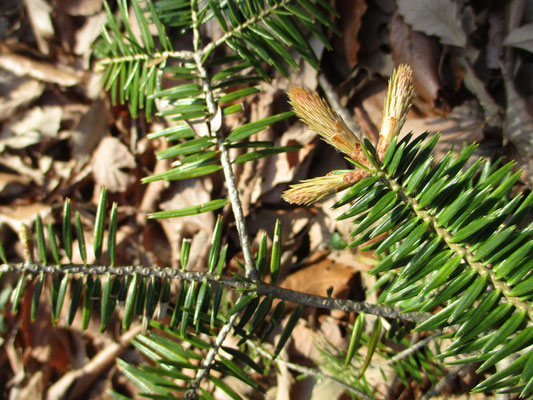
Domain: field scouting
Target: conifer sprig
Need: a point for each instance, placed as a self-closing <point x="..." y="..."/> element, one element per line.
<point x="316" y="112"/>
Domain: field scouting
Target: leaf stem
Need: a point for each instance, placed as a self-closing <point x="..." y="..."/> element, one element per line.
<point x="233" y="194"/>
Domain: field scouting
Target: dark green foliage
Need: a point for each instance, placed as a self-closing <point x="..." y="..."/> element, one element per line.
<point x="431" y="262"/>
<point x="258" y="33"/>
<point x="456" y="242"/>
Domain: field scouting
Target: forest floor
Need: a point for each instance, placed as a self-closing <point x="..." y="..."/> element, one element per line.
<point x="61" y="137"/>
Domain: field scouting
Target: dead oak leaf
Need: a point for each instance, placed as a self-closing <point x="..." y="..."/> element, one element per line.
<point x="15" y="216"/>
<point x="41" y="70"/>
<point x="35" y="126"/>
<point x="317" y="279"/>
<point x="440" y="18"/>
<point x="109" y="160"/>
<point x="15" y="92"/>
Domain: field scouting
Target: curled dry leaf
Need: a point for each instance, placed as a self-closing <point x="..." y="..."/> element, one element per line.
<point x="439" y="18"/>
<point x="39" y="12"/>
<point x="33" y="127"/>
<point x="351" y="14"/>
<point x="43" y="71"/>
<point x="422" y="53"/>
<point x="16" y="92"/>
<point x="109" y="160"/>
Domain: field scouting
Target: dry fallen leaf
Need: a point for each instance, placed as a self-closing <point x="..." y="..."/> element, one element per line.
<point x="39" y="12"/>
<point x="318" y="278"/>
<point x="286" y="167"/>
<point x="350" y="20"/>
<point x="16" y="92"/>
<point x="373" y="39"/>
<point x="306" y="340"/>
<point x="33" y="127"/>
<point x="89" y="131"/>
<point x="328" y="389"/>
<point x="12" y="184"/>
<point x="34" y="387"/>
<point x="518" y="127"/>
<point x="521" y="37"/>
<point x="82" y="7"/>
<point x="464" y="124"/>
<point x="109" y="160"/>
<point x="435" y="17"/>
<point x="87" y="34"/>
<point x="43" y="71"/>
<point x="422" y="53"/>
<point x="15" y="216"/>
<point x="16" y="163"/>
<point x="199" y="227"/>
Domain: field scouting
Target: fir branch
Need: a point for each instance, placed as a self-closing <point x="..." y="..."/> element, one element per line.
<point x="439" y="387"/>
<point x="260" y="288"/>
<point x="210" y="358"/>
<point x="229" y="176"/>
<point x="463" y="250"/>
<point x="151" y="58"/>
<point x="238" y="29"/>
<point x="236" y="205"/>
<point x="338" y="304"/>
<point x="410" y="350"/>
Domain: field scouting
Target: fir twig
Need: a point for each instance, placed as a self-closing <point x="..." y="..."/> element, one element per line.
<point x="260" y="288"/>
<point x="215" y="128"/>
<point x="210" y="358"/>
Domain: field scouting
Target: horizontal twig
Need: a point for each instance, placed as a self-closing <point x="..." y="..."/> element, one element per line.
<point x="153" y="58"/>
<point x="242" y="284"/>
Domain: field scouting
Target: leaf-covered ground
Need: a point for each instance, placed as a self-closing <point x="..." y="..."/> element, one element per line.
<point x="60" y="137"/>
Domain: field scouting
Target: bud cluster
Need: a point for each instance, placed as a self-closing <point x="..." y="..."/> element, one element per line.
<point x="315" y="112"/>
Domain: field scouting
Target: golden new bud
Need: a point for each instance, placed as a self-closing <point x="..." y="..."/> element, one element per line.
<point x="315" y="112"/>
<point x="399" y="96"/>
<point x="310" y="190"/>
